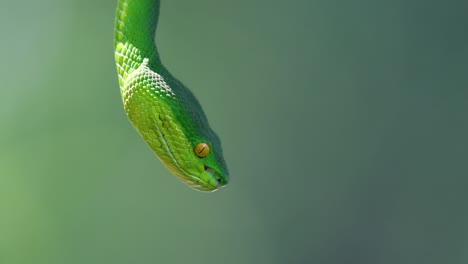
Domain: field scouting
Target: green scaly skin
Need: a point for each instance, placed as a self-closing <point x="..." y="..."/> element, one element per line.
<point x="161" y="108"/>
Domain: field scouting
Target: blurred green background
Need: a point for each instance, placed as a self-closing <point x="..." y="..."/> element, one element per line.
<point x="343" y="123"/>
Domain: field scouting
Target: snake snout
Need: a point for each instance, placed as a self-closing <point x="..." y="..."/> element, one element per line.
<point x="215" y="179"/>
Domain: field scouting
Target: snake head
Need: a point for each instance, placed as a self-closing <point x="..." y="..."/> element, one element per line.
<point x="194" y="157"/>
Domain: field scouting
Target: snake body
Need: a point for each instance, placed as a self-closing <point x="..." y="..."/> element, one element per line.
<point x="164" y="112"/>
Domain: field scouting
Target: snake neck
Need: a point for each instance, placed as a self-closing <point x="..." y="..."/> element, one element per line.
<point x="135" y="27"/>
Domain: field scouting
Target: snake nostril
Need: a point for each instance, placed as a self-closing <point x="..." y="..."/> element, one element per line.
<point x="219" y="180"/>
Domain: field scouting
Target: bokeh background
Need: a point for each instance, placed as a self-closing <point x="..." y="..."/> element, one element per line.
<point x="344" y="125"/>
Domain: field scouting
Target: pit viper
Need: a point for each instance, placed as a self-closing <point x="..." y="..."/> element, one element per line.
<point x="164" y="111"/>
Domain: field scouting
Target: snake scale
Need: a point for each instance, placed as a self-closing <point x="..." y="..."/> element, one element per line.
<point x="163" y="111"/>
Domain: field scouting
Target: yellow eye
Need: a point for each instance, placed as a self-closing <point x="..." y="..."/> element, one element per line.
<point x="202" y="150"/>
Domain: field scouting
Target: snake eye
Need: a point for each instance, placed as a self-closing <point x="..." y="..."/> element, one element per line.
<point x="202" y="150"/>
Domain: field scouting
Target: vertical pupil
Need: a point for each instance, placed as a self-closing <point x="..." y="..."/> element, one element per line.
<point x="202" y="150"/>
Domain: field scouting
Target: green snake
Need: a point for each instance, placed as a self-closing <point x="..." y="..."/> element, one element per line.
<point x="163" y="111"/>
